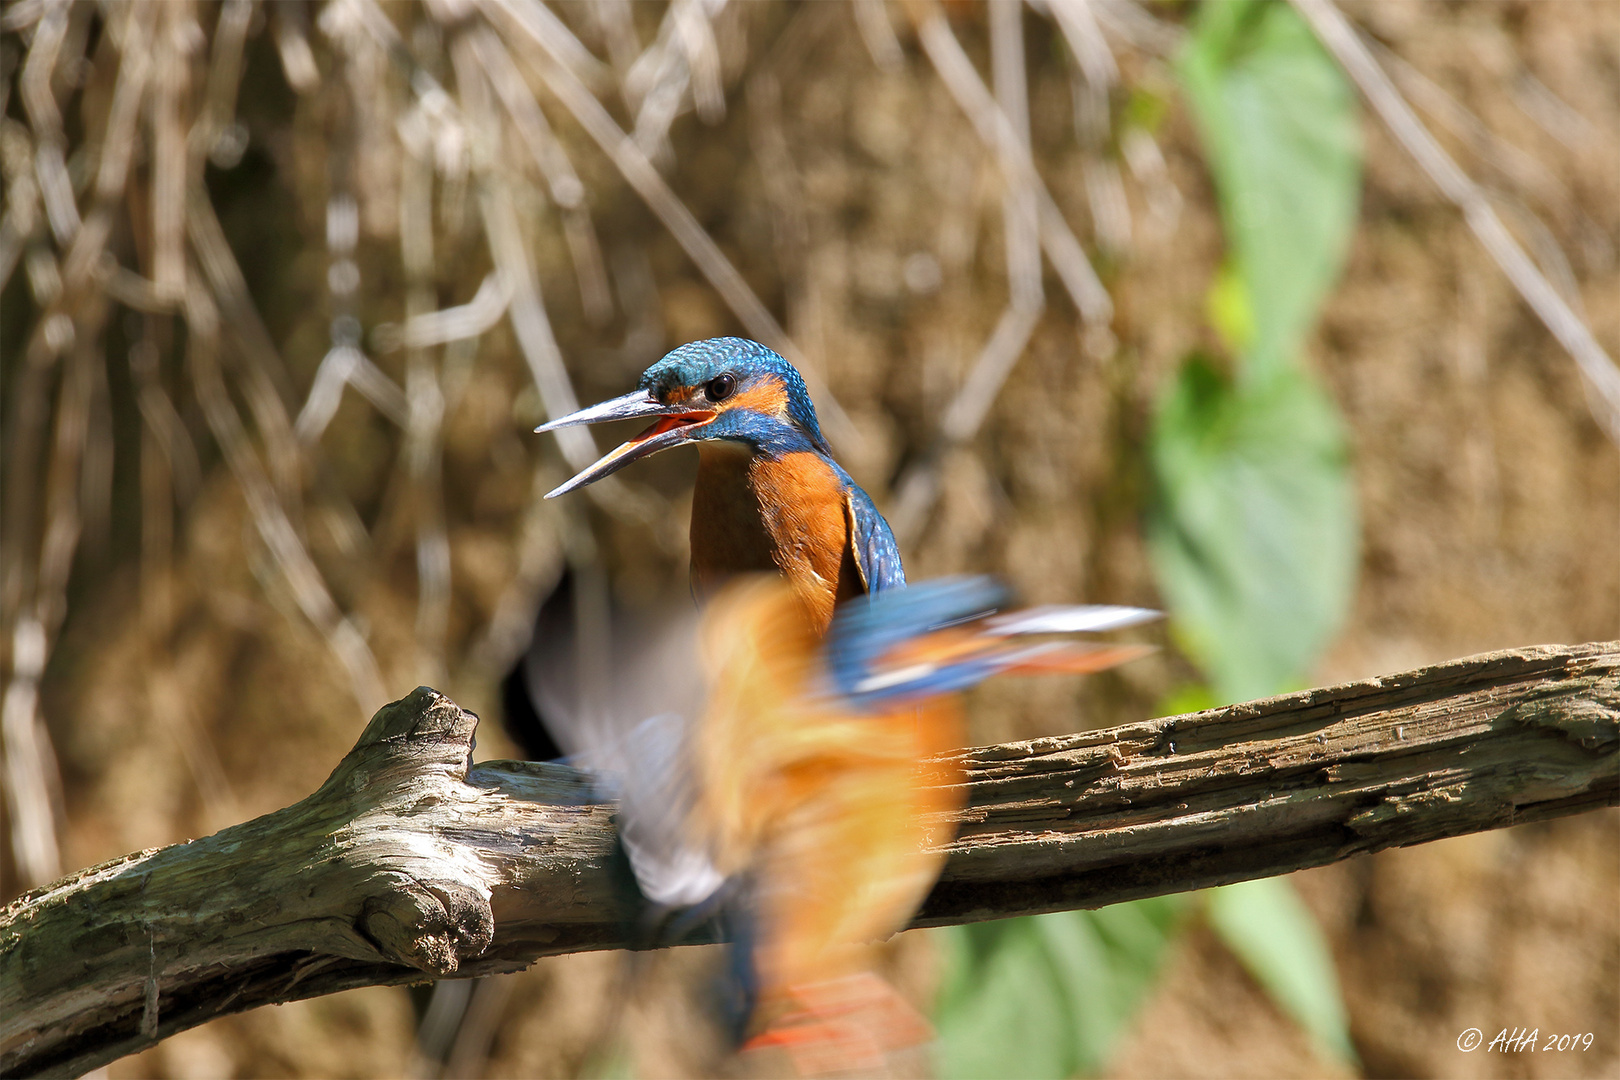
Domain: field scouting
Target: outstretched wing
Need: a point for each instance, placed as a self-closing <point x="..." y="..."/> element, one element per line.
<point x="942" y="636"/>
<point x="619" y="692"/>
<point x="877" y="556"/>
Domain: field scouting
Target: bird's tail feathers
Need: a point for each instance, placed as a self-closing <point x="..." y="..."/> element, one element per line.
<point x="842" y="1026"/>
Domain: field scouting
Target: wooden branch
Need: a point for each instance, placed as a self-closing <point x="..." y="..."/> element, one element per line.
<point x="409" y="863"/>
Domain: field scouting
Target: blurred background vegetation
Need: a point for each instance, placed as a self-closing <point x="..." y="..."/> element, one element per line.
<point x="1178" y="324"/>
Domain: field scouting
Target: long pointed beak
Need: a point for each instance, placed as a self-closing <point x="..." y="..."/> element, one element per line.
<point x="635" y="403"/>
<point x="673" y="428"/>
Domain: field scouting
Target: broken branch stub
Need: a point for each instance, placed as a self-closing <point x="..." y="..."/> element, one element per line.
<point x="410" y="863"/>
<point x="399" y="868"/>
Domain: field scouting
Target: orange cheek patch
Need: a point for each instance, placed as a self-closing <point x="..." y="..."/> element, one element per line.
<point x="768" y="397"/>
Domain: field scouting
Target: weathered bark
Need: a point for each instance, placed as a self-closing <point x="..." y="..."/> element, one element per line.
<point x="411" y="863"/>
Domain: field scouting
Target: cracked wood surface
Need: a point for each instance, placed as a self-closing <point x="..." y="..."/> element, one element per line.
<point x="411" y="863"/>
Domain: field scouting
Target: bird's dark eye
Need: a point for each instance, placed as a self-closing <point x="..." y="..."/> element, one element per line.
<point x="721" y="387"/>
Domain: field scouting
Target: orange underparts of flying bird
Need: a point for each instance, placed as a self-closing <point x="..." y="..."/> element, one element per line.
<point x="838" y="818"/>
<point x="826" y="780"/>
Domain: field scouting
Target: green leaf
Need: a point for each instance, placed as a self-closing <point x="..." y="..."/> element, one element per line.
<point x="1229" y="309"/>
<point x="1252" y="531"/>
<point x="1275" y="936"/>
<point x="1000" y="1014"/>
<point x="1187" y="698"/>
<point x="1046" y="996"/>
<point x="1282" y="133"/>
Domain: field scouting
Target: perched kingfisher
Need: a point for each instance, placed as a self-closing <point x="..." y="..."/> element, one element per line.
<point x="769" y="496"/>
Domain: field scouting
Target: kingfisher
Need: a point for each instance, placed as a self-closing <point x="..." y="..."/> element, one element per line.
<point x="769" y="496"/>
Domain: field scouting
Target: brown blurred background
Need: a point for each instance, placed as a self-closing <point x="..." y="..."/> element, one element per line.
<point x="221" y="618"/>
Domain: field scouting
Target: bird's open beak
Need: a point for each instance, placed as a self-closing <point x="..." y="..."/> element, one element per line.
<point x="674" y="426"/>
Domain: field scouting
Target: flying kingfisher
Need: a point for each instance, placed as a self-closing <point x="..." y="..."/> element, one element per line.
<point x="769" y="496"/>
<point x="800" y="784"/>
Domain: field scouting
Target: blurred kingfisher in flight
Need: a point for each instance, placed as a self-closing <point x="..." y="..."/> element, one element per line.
<point x="769" y="496"/>
<point x="800" y="783"/>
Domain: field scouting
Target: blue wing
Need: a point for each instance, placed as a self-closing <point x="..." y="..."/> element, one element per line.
<point x="877" y="556"/>
<point x="867" y="628"/>
<point x="862" y="643"/>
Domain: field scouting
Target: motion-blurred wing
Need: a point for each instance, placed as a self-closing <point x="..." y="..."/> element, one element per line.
<point x="618" y="691"/>
<point x="649" y="772"/>
<point x="939" y="637"/>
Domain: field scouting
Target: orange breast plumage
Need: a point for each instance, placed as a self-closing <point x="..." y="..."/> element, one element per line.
<point x="787" y="513"/>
